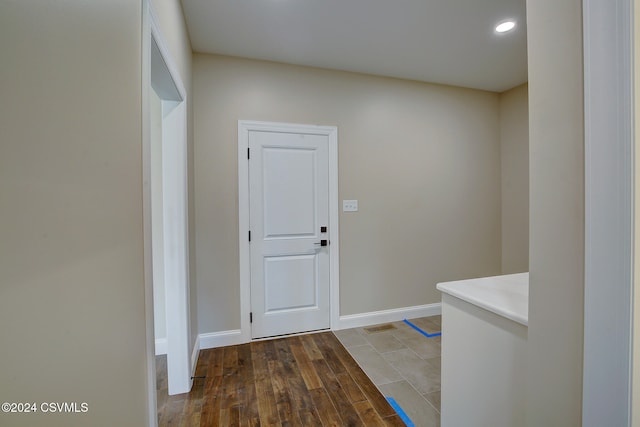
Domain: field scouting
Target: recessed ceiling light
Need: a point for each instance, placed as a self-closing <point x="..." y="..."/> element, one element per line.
<point x="505" y="26"/>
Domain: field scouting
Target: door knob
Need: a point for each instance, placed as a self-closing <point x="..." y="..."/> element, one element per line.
<point x="322" y="243"/>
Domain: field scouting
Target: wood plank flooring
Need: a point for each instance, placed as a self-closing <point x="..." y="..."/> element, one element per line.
<point x="308" y="380"/>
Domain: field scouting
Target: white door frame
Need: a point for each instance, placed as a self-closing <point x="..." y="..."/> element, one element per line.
<point x="176" y="219"/>
<point x="609" y="213"/>
<point x="244" y="127"/>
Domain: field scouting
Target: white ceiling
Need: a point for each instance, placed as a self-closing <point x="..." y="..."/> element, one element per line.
<point x="440" y="41"/>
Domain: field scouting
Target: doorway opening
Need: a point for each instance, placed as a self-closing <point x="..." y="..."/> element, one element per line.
<point x="169" y="221"/>
<point x="165" y="193"/>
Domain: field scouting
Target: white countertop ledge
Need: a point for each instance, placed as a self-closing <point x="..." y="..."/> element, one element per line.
<point x="506" y="295"/>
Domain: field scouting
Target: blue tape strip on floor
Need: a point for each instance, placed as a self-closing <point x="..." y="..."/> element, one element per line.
<point x="403" y="416"/>
<point x="435" y="334"/>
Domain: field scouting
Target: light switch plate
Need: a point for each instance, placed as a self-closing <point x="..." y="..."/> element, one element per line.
<point x="349" y="206"/>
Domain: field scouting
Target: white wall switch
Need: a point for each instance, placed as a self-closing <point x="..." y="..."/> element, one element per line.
<point x="349" y="206"/>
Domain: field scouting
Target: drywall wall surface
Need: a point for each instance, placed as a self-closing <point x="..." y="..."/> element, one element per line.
<point x="556" y="251"/>
<point x="170" y="20"/>
<point x="72" y="301"/>
<point x="423" y="160"/>
<point x="514" y="159"/>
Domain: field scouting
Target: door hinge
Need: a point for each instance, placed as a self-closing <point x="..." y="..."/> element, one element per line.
<point x="249" y="235"/>
<point x="251" y="317"/>
<point x="248" y="153"/>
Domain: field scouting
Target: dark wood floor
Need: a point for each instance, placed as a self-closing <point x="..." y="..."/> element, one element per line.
<point x="308" y="380"/>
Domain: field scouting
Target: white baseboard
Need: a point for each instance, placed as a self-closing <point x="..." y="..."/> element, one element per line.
<point x="194" y="356"/>
<point x="235" y="337"/>
<point x="384" y="316"/>
<point x="221" y="339"/>
<point x="161" y="346"/>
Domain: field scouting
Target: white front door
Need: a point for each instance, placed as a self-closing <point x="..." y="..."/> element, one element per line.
<point x="288" y="222"/>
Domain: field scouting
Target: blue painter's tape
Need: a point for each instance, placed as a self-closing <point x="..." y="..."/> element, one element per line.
<point x="403" y="416"/>
<point x="428" y="335"/>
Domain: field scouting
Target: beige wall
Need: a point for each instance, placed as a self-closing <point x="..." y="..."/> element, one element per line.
<point x="556" y="251"/>
<point x="423" y="161"/>
<point x="72" y="304"/>
<point x="514" y="159"/>
<point x="170" y="19"/>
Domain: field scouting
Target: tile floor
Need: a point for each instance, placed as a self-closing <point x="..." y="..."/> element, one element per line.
<point x="403" y="364"/>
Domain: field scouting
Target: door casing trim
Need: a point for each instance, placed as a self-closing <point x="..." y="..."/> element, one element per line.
<point x="608" y="369"/>
<point x="244" y="127"/>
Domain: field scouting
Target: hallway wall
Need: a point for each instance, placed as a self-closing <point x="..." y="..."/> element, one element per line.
<point x="514" y="179"/>
<point x="423" y="160"/>
<point x="556" y="250"/>
<point x="72" y="299"/>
